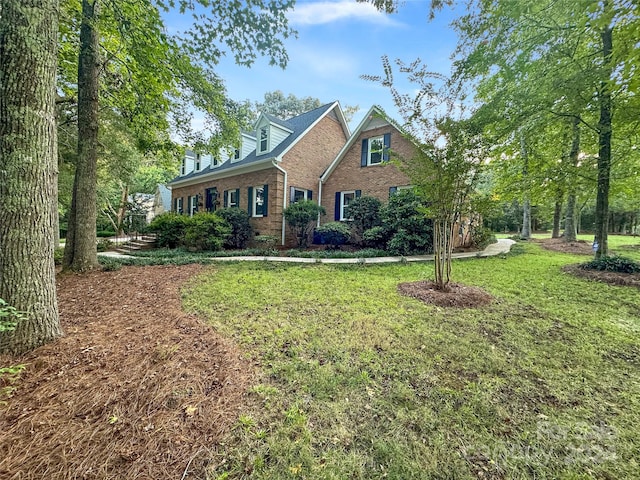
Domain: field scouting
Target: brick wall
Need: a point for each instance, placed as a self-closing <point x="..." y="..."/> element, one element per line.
<point x="374" y="180"/>
<point x="269" y="225"/>
<point x="311" y="156"/>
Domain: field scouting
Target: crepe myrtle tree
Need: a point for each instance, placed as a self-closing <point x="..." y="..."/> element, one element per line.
<point x="448" y="156"/>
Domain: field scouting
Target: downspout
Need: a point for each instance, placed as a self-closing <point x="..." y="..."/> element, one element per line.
<point x="319" y="198"/>
<point x="284" y="203"/>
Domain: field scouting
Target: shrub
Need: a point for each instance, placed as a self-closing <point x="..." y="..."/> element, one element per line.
<point x="206" y="231"/>
<point x="105" y="233"/>
<point x="404" y="229"/>
<point x="104" y="244"/>
<point x="333" y="234"/>
<point x="612" y="264"/>
<point x="110" y="264"/>
<point x="301" y="217"/>
<point x="241" y="230"/>
<point x="481" y="237"/>
<point x="169" y="228"/>
<point x="266" y="244"/>
<point x="58" y="255"/>
<point x="364" y="213"/>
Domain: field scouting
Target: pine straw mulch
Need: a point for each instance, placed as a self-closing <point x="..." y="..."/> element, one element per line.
<point x="458" y="295"/>
<point x="579" y="247"/>
<point x="135" y="389"/>
<point x="612" y="278"/>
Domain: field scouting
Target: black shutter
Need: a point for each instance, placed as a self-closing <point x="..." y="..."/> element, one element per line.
<point x="365" y="152"/>
<point x="175" y="205"/>
<point x="226" y="198"/>
<point x="309" y="194"/>
<point x="265" y="202"/>
<point x="250" y="202"/>
<point x="238" y="197"/>
<point x="387" y="146"/>
<point x="336" y="216"/>
<point x="392" y="191"/>
<point x="358" y="193"/>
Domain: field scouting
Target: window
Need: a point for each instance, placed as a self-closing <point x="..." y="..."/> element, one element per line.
<point x="215" y="162"/>
<point x="258" y="201"/>
<point x="211" y="199"/>
<point x="198" y="162"/>
<point x="376" y="149"/>
<point x="299" y="194"/>
<point x="264" y="139"/>
<point x="178" y="205"/>
<point x="232" y="198"/>
<point x="183" y="167"/>
<point x="236" y="154"/>
<point x="345" y="199"/>
<point x="193" y="205"/>
<point x="394" y="190"/>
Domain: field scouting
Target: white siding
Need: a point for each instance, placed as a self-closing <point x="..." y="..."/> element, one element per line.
<point x="276" y="136"/>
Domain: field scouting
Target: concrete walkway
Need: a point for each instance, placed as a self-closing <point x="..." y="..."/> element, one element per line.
<point x="502" y="246"/>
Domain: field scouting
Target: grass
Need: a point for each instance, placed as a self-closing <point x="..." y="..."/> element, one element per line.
<point x="359" y="382"/>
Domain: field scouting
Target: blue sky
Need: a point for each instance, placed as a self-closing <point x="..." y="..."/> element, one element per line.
<point x="339" y="40"/>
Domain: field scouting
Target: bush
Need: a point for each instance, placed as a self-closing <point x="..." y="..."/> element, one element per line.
<point x="241" y="230"/>
<point x="105" y="233"/>
<point x="481" y="237"/>
<point x="104" y="244"/>
<point x="169" y="229"/>
<point x="266" y="244"/>
<point x="404" y="229"/>
<point x="110" y="264"/>
<point x="364" y="213"/>
<point x="58" y="255"/>
<point x="333" y="234"/>
<point x="301" y="217"/>
<point x="206" y="231"/>
<point x="612" y="264"/>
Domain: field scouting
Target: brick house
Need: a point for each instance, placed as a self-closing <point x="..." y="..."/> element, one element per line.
<point x="278" y="163"/>
<point x="362" y="168"/>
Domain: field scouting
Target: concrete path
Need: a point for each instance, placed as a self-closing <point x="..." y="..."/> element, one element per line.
<point x="502" y="246"/>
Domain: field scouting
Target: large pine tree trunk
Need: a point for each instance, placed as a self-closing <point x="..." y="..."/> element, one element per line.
<point x="28" y="170"/>
<point x="80" y="249"/>
<point x="570" y="227"/>
<point x="604" y="148"/>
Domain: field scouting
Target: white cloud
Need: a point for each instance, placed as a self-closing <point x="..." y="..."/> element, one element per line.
<point x="318" y="13"/>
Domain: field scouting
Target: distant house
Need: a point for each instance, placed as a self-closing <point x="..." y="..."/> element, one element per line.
<point x="276" y="164"/>
<point x="161" y="200"/>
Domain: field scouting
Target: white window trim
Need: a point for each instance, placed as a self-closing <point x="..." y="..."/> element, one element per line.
<point x="183" y="167"/>
<point x="260" y="140"/>
<point x="197" y="163"/>
<point x="193" y="199"/>
<point x="342" y="205"/>
<point x="369" y="150"/>
<point x="229" y="197"/>
<point x="305" y="193"/>
<point x="179" y="208"/>
<point x="254" y="201"/>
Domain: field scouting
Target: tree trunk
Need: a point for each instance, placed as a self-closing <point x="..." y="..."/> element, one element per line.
<point x="525" y="234"/>
<point x="604" y="147"/>
<point x="80" y="250"/>
<point x="28" y="170"/>
<point x="557" y="214"/>
<point x="570" y="227"/>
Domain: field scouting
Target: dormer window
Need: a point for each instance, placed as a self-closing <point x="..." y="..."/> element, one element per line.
<point x="183" y="167"/>
<point x="236" y="154"/>
<point x="264" y="139"/>
<point x="198" y="162"/>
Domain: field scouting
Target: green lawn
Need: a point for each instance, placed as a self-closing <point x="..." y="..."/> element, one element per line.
<point x="358" y="382"/>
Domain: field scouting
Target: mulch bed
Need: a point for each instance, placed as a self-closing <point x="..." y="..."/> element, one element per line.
<point x="135" y="389"/>
<point x="612" y="278"/>
<point x="459" y="296"/>
<point x="579" y="247"/>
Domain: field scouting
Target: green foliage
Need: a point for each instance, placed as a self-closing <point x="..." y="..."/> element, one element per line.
<point x="301" y="217"/>
<point x="110" y="264"/>
<point x="267" y="244"/>
<point x="241" y="230"/>
<point x="8" y="377"/>
<point x="333" y="234"/>
<point x="405" y="229"/>
<point x="9" y="316"/>
<point x="612" y="263"/>
<point x="481" y="237"/>
<point x="364" y="213"/>
<point x="105" y="233"/>
<point x="169" y="229"/>
<point x="58" y="253"/>
<point x="103" y="245"/>
<point x="206" y="231"/>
